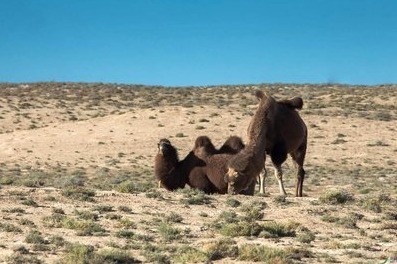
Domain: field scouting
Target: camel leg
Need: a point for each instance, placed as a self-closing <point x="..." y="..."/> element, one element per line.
<point x="299" y="157"/>
<point x="279" y="175"/>
<point x="299" y="184"/>
<point x="262" y="178"/>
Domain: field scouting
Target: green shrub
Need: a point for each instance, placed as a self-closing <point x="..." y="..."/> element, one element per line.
<point x="103" y="208"/>
<point x="35" y="237"/>
<point x="280" y="199"/>
<point x="154" y="254"/>
<point x="56" y="240"/>
<point x="168" y="232"/>
<point x="54" y="220"/>
<point x="4" y="180"/>
<point x="233" y="202"/>
<point x="19" y="258"/>
<point x="126" y="223"/>
<point x="336" y="197"/>
<point x="26" y="222"/>
<point x="84" y="227"/>
<point x="124" y="209"/>
<point x="30" y="202"/>
<point x="228" y="217"/>
<point x="127" y="187"/>
<point x="372" y="204"/>
<point x="258" y="253"/>
<point x="110" y="256"/>
<point x="77" y="253"/>
<point x="179" y="135"/>
<point x="274" y="229"/>
<point x="174" y="218"/>
<point x="252" y="214"/>
<point x="154" y="194"/>
<point x="240" y="229"/>
<point x="224" y="248"/>
<point x="87" y="215"/>
<point x="187" y="254"/>
<point x="195" y="197"/>
<point x="77" y="193"/>
<point x="124" y="233"/>
<point x="6" y="227"/>
<point x="306" y="237"/>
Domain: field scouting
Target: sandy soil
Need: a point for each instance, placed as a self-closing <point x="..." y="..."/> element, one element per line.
<point x="347" y="150"/>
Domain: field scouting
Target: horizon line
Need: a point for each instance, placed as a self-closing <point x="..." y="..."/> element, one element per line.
<point x="198" y="86"/>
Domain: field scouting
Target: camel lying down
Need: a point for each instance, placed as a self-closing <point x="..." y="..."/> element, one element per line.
<point x="203" y="168"/>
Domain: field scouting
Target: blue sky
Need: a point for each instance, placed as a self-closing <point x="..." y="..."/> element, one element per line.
<point x="199" y="42"/>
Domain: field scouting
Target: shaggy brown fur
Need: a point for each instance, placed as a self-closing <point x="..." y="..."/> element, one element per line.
<point x="245" y="166"/>
<point x="293" y="103"/>
<point x="203" y="147"/>
<point x="280" y="131"/>
<point x="210" y="178"/>
<point x="286" y="133"/>
<point x="232" y="145"/>
<point x="167" y="167"/>
<point x="203" y="168"/>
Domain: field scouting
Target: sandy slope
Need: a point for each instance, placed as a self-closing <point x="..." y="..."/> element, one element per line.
<point x="127" y="140"/>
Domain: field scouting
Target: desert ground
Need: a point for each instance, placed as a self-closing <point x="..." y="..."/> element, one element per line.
<point x="77" y="182"/>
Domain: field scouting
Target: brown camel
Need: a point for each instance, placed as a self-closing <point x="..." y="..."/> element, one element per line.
<point x="285" y="132"/>
<point x="167" y="166"/>
<point x="203" y="168"/>
<point x="245" y="166"/>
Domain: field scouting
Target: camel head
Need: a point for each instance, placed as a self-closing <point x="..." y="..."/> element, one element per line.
<point x="240" y="173"/>
<point x="236" y="181"/>
<point x="163" y="145"/>
<point x="166" y="149"/>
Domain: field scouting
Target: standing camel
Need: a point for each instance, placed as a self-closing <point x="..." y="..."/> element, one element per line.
<point x="286" y="133"/>
<point x="245" y="166"/>
<point x="277" y="129"/>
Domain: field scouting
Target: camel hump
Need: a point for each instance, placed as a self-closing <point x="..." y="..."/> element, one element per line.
<point x="232" y="145"/>
<point x="204" y="144"/>
<point x="203" y="141"/>
<point x="294" y="103"/>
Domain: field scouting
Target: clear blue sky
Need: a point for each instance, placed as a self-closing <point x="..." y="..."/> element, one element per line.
<point x="199" y="42"/>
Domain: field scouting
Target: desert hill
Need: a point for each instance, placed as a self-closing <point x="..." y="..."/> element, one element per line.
<point x="77" y="178"/>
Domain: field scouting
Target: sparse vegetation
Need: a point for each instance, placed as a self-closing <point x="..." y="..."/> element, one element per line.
<point x="80" y="194"/>
<point x="90" y="177"/>
<point x="195" y="197"/>
<point x="336" y="197"/>
<point x="233" y="202"/>
<point x="168" y="232"/>
<point x="258" y="253"/>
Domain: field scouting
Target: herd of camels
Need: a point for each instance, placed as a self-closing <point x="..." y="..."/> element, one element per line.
<point x="276" y="129"/>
